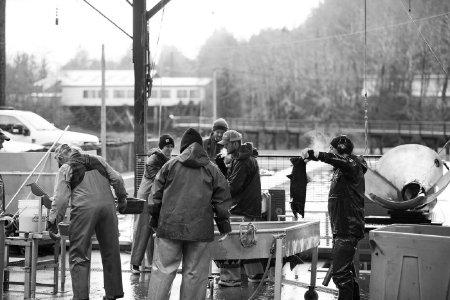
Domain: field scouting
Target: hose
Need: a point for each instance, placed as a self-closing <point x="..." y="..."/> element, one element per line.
<point x="272" y="251"/>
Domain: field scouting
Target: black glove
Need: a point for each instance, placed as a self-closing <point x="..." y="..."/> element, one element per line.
<point x="311" y="155"/>
<point x="220" y="162"/>
<point x="297" y="209"/>
<point x="122" y="204"/>
<point x="53" y="230"/>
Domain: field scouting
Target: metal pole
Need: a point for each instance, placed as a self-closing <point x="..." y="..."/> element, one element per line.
<point x="103" y="109"/>
<point x="214" y="104"/>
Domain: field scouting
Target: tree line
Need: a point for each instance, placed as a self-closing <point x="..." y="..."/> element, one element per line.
<point x="320" y="70"/>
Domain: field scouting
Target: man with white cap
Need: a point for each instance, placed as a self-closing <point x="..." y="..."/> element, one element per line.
<point x="245" y="187"/>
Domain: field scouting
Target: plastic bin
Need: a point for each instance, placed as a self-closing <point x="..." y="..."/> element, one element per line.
<point x="410" y="262"/>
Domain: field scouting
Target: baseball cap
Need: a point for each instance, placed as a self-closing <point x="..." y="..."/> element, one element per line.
<point x="4" y="135"/>
<point x="230" y="136"/>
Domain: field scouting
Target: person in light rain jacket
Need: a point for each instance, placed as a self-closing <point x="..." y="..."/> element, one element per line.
<point x="189" y="194"/>
<point x="84" y="181"/>
<point x="143" y="233"/>
<point x="346" y="210"/>
<point x="211" y="144"/>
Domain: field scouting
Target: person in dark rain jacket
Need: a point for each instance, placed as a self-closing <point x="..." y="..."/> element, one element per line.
<point x="346" y="210"/>
<point x="143" y="233"/>
<point x="245" y="187"/>
<point x="189" y="194"/>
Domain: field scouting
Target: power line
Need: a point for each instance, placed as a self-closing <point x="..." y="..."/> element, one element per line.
<point x="422" y="36"/>
<point x="107" y="19"/>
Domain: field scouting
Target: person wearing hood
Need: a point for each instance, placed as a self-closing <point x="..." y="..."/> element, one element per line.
<point x="189" y="194"/>
<point x="345" y="208"/>
<point x="211" y="144"/>
<point x="143" y="233"/>
<point x="84" y="182"/>
<point x="245" y="187"/>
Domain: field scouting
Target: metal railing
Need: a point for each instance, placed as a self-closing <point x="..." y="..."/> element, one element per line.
<point x="273" y="170"/>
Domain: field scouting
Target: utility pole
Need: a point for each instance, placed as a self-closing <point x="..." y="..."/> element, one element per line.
<point x="140" y="90"/>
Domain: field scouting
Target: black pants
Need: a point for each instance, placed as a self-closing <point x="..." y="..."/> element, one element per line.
<point x="344" y="275"/>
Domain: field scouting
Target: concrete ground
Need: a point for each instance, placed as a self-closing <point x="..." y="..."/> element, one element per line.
<point x="136" y="286"/>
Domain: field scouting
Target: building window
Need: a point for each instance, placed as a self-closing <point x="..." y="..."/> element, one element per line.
<point x="154" y="94"/>
<point x="130" y="94"/>
<point x="119" y="94"/>
<point x="165" y="94"/>
<point x="88" y="94"/>
<point x="182" y="93"/>
<point x="194" y="94"/>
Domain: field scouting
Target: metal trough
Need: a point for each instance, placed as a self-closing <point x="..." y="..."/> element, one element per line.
<point x="289" y="238"/>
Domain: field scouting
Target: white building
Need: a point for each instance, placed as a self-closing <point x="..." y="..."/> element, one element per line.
<point x="83" y="88"/>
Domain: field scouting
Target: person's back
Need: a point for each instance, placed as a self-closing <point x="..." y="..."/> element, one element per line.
<point x="84" y="181"/>
<point x="190" y="193"/>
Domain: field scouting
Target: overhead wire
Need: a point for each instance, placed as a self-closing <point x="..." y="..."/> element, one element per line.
<point x="423" y="37"/>
<point x="335" y="36"/>
<point x="104" y="16"/>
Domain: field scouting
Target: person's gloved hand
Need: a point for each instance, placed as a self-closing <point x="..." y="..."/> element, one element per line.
<point x="154" y="223"/>
<point x="52" y="229"/>
<point x="297" y="210"/>
<point x="309" y="154"/>
<point x="220" y="162"/>
<point x="122" y="204"/>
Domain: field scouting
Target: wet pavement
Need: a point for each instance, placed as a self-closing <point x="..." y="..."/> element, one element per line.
<point x="136" y="286"/>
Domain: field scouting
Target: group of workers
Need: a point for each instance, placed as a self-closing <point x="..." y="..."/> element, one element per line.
<point x="186" y="194"/>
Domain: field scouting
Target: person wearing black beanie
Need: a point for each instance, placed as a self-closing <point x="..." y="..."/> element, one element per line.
<point x="345" y="208"/>
<point x="190" y="136"/>
<point x="165" y="140"/>
<point x="189" y="194"/>
<point x="143" y="241"/>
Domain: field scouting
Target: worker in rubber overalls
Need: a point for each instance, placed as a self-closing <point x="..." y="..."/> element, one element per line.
<point x="84" y="181"/>
<point x="346" y="210"/>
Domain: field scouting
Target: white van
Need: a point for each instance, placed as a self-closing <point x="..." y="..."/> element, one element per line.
<point x="26" y="126"/>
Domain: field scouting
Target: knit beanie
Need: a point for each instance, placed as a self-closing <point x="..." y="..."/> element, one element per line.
<point x="190" y="136"/>
<point x="343" y="144"/>
<point x="165" y="140"/>
<point x="220" y="124"/>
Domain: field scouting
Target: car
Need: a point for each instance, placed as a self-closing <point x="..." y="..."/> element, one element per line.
<point x="29" y="127"/>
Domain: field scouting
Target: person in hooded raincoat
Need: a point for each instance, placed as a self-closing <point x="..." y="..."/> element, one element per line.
<point x="84" y="181"/>
<point x="346" y="210"/>
<point x="189" y="194"/>
<point x="143" y="233"/>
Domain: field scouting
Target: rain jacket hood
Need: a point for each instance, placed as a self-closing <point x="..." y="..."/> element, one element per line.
<point x="193" y="156"/>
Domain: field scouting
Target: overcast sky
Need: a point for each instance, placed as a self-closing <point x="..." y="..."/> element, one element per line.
<point x="185" y="24"/>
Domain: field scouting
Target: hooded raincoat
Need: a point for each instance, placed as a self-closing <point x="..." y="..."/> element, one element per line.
<point x="245" y="182"/>
<point x="85" y="182"/>
<point x="190" y="192"/>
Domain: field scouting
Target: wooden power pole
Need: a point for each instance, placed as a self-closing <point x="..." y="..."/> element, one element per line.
<point x="140" y="90"/>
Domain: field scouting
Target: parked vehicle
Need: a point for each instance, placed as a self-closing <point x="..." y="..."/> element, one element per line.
<point x="29" y="127"/>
